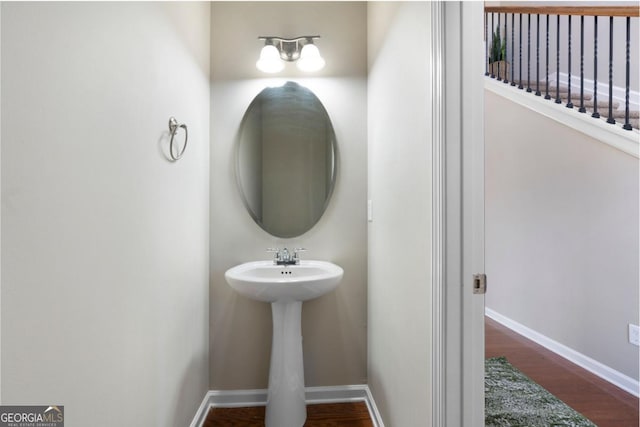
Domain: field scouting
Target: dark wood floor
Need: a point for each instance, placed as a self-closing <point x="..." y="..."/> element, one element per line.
<point x="326" y="415"/>
<point x="604" y="404"/>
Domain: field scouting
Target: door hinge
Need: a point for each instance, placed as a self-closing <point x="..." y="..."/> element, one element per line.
<point x="479" y="283"/>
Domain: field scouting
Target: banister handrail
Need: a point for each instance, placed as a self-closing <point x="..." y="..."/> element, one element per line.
<point x="500" y="45"/>
<point x="616" y="11"/>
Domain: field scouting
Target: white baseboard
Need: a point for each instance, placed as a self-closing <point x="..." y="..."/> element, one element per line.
<point x="314" y="395"/>
<point x="616" y="378"/>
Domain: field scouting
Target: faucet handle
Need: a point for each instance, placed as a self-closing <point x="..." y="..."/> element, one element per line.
<point x="276" y="253"/>
<point x="295" y="253"/>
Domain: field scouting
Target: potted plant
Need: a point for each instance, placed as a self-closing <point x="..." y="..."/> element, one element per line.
<point x="498" y="66"/>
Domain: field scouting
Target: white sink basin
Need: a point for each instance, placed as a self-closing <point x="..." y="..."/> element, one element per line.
<point x="285" y="287"/>
<point x="265" y="281"/>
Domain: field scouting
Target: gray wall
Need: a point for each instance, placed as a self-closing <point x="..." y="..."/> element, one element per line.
<point x="561" y="233"/>
<point x="400" y="189"/>
<point x="334" y="326"/>
<point x="105" y="242"/>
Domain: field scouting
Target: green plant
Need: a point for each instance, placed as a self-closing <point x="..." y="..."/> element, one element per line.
<point x="498" y="50"/>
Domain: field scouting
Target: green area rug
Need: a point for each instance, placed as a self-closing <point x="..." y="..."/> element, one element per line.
<point x="512" y="399"/>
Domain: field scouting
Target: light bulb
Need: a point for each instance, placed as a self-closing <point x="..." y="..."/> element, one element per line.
<point x="270" y="61"/>
<point x="310" y="59"/>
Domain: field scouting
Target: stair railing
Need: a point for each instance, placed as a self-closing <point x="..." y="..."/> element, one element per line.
<point x="499" y="48"/>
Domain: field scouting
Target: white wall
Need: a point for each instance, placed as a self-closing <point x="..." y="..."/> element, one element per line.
<point x="334" y="326"/>
<point x="0" y="204"/>
<point x="105" y="242"/>
<point x="400" y="189"/>
<point x="561" y="233"/>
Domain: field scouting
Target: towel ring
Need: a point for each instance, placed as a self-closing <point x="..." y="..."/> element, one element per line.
<point x="173" y="129"/>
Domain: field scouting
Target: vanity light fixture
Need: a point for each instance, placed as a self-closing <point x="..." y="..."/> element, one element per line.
<point x="276" y="50"/>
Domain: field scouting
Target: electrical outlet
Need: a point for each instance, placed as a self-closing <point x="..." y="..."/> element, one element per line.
<point x="634" y="334"/>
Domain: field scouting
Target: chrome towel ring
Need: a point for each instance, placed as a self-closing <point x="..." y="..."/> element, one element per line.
<point x="173" y="129"/>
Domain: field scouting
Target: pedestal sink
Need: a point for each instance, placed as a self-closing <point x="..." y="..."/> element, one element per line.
<point x="285" y="287"/>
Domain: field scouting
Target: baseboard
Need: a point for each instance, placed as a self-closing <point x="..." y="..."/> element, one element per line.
<point x="314" y="395"/>
<point x="608" y="374"/>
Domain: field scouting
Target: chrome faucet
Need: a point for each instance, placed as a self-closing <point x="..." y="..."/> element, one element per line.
<point x="284" y="257"/>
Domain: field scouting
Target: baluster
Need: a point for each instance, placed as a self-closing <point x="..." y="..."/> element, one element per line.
<point x="538" y="55"/>
<point x="486" y="43"/>
<point x="513" y="48"/>
<point x="520" y="54"/>
<point x="558" y="100"/>
<point x="627" y="125"/>
<point x="582" y="109"/>
<point x="493" y="76"/>
<point x="506" y="39"/>
<point x="569" y="103"/>
<point x="547" y="96"/>
<point x="528" y="52"/>
<point x="610" y="119"/>
<point x="499" y="51"/>
<point x="595" y="68"/>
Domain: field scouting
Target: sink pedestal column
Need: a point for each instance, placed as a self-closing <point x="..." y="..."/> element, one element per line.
<point x="286" y="399"/>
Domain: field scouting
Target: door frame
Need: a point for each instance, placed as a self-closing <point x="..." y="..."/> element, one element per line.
<point x="458" y="213"/>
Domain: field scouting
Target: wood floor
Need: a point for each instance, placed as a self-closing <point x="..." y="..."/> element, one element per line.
<point x="326" y="415"/>
<point x="601" y="402"/>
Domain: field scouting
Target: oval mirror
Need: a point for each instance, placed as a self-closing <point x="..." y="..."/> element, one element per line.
<point x="286" y="159"/>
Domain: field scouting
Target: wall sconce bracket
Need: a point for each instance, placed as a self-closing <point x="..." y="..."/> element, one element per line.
<point x="278" y="50"/>
<point x="289" y="49"/>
